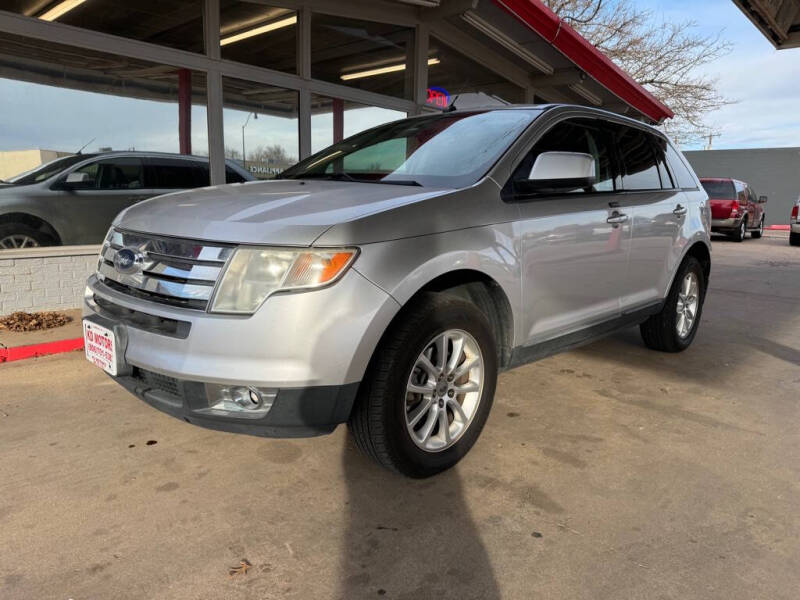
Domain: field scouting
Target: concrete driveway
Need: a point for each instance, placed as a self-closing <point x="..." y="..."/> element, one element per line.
<point x="609" y="472"/>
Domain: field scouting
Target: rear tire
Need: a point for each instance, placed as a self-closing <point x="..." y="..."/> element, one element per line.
<point x="760" y="231"/>
<point x="18" y="235"/>
<point x="661" y="331"/>
<point x="741" y="232"/>
<point x="382" y="421"/>
<point x="794" y="239"/>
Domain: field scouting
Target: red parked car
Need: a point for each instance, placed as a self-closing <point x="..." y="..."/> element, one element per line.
<point x="735" y="208"/>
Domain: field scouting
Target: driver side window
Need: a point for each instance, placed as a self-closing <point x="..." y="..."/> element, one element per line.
<point x="586" y="136"/>
<point x="89" y="173"/>
<point x="111" y="174"/>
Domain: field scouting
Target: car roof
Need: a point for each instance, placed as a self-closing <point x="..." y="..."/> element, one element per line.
<point x="731" y="179"/>
<point x="143" y="154"/>
<point x="594" y="111"/>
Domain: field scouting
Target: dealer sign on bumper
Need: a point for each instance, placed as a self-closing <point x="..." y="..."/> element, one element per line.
<point x="100" y="347"/>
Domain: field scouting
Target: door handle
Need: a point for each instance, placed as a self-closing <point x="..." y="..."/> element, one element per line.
<point x="679" y="211"/>
<point x="616" y="218"/>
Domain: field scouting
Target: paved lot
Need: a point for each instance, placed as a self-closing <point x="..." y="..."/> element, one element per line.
<point x="608" y="472"/>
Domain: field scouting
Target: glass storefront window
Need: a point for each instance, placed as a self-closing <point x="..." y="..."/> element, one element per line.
<point x="362" y="54"/>
<point x="260" y="35"/>
<point x="354" y="118"/>
<point x="261" y="126"/>
<point x="117" y="112"/>
<point x="173" y="23"/>
<point x="458" y="74"/>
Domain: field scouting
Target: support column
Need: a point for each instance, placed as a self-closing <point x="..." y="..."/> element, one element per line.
<point x="185" y="111"/>
<point x="338" y="120"/>
<point x="304" y="71"/>
<point x="214" y="100"/>
<point x="420" y="57"/>
<point x="216" y="139"/>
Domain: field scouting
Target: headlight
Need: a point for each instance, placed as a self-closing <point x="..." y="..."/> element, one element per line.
<point x="253" y="274"/>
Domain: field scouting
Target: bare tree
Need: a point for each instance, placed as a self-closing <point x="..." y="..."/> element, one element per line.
<point x="272" y="155"/>
<point x="663" y="57"/>
<point x="232" y="153"/>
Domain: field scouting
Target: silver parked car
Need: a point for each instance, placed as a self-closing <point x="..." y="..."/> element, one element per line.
<point x="73" y="199"/>
<point x="386" y="280"/>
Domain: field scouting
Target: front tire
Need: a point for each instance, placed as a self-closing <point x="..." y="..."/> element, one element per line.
<point x="429" y="387"/>
<point x="674" y="328"/>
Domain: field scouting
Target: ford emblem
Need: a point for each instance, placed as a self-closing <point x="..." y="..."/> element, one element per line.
<point x="128" y="260"/>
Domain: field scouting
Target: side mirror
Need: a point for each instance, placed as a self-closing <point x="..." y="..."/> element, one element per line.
<point x="562" y="171"/>
<point x="762" y="199"/>
<point x="76" y="178"/>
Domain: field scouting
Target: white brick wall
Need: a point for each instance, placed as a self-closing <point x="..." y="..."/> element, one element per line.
<point x="45" y="278"/>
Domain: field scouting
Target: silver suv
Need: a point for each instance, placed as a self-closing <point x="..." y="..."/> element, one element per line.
<point x="385" y="281"/>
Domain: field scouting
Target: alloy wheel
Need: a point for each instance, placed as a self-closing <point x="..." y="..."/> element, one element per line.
<point x="17" y="240"/>
<point x="444" y="390"/>
<point x="687" y="305"/>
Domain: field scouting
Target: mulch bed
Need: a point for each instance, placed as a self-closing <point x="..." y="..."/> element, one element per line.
<point x="23" y="321"/>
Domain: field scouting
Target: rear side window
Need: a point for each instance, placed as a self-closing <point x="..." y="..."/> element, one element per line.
<point x="640" y="170"/>
<point x="588" y="136"/>
<point x="176" y="174"/>
<point x="660" y="147"/>
<point x="683" y="177"/>
<point x="719" y="189"/>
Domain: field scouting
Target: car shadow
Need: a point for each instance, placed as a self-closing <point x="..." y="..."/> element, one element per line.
<point x="409" y="539"/>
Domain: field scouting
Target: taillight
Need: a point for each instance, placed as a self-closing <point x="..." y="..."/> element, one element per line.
<point x="734" y="208"/>
<point x="795" y="210"/>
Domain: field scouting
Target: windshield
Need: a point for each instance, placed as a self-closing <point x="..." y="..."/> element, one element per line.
<point x="47" y="170"/>
<point x="720" y="189"/>
<point x="442" y="150"/>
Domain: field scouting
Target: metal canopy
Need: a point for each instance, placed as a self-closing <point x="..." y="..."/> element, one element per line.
<point x="516" y="49"/>
<point x="778" y="20"/>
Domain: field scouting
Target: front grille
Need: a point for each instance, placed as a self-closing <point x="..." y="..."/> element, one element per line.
<point x="156" y="381"/>
<point x="142" y="320"/>
<point x="173" y="271"/>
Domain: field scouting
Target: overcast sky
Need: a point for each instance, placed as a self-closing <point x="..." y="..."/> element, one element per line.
<point x="764" y="83"/>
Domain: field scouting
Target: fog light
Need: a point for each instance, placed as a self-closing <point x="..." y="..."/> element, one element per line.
<point x="238" y="401"/>
<point x="247" y="398"/>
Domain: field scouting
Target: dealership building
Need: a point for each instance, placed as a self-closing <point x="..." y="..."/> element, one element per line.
<point x="289" y="77"/>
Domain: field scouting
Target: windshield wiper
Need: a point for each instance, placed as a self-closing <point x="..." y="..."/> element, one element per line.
<point x="342" y="176"/>
<point x="396" y="182"/>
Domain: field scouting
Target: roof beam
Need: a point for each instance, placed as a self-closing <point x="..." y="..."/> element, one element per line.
<point x="480" y="53"/>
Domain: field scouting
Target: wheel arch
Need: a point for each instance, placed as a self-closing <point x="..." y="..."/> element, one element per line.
<point x="702" y="253"/>
<point x="475" y="286"/>
<point x="32" y="221"/>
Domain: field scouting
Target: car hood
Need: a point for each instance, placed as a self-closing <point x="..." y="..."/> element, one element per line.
<point x="279" y="212"/>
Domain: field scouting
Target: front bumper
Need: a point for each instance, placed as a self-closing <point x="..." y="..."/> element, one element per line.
<point x="295" y="412"/>
<point x="308" y="350"/>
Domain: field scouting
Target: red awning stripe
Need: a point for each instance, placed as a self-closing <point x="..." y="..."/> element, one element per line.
<point x="596" y="64"/>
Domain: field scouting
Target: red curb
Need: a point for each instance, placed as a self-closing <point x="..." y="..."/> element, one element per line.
<point x="34" y="350"/>
<point x="778" y="227"/>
